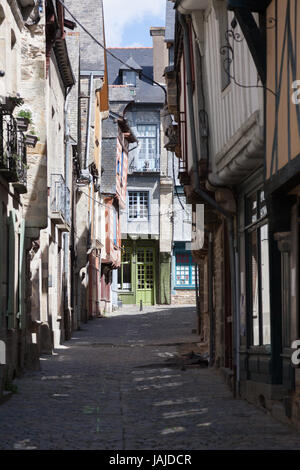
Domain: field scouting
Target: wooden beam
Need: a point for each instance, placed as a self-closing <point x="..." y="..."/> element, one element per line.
<point x="255" y="40"/>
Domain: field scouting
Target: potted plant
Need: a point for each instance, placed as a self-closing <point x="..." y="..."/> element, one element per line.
<point x="22" y="124"/>
<point x="24" y="119"/>
<point x="31" y="139"/>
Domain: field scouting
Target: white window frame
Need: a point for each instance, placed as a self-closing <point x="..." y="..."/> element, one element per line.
<point x="138" y="218"/>
<point x="125" y="77"/>
<point x="141" y="138"/>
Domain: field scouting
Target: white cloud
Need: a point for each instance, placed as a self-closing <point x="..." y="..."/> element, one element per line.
<point x="119" y="13"/>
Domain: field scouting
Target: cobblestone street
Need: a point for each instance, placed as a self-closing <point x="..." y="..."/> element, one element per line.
<point x="113" y="387"/>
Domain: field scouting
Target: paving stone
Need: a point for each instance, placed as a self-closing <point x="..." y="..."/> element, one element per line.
<point x="108" y="390"/>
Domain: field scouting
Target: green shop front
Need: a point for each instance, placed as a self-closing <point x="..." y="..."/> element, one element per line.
<point x="138" y="275"/>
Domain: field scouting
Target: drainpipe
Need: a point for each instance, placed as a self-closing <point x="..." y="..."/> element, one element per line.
<point x="87" y="152"/>
<point x="88" y="133"/>
<point x="87" y="149"/>
<point x="67" y="138"/>
<point x="203" y="194"/>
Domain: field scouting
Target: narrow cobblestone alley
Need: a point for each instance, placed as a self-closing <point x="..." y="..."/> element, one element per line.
<point x="112" y="387"/>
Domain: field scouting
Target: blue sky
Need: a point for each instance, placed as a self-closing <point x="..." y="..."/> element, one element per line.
<point x="127" y="22"/>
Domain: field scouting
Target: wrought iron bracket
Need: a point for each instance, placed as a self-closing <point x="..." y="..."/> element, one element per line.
<point x="254" y="38"/>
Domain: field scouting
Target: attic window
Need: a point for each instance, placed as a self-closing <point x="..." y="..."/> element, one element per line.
<point x="129" y="77"/>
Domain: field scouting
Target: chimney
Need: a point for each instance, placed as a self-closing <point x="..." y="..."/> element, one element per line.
<point x="160" y="53"/>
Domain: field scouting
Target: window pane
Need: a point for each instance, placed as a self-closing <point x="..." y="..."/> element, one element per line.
<point x="254" y="280"/>
<point x="148" y="130"/>
<point x="265" y="285"/>
<point x="143" y="206"/>
<point x="127" y="276"/>
<point x="147" y="149"/>
<point x="119" y="278"/>
<point x="129" y="77"/>
<point x="262" y="202"/>
<point x="133" y="207"/>
<point x="141" y="276"/>
<point x="252" y="209"/>
<point x="138" y="205"/>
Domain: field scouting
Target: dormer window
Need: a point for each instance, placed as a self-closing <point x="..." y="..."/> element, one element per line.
<point x="129" y="77"/>
<point x="129" y="72"/>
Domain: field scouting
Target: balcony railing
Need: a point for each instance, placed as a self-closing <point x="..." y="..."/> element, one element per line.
<point x="149" y="165"/>
<point x="13" y="159"/>
<point x="60" y="200"/>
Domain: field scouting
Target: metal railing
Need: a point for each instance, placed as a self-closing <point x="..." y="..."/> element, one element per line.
<point x="60" y="198"/>
<point x="147" y="165"/>
<point x="13" y="155"/>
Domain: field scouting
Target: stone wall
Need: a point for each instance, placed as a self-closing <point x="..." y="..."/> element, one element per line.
<point x="184" y="297"/>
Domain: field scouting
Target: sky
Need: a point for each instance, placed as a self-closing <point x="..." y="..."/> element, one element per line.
<point x="127" y="22"/>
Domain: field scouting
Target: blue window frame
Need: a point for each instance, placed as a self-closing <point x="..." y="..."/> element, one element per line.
<point x="184" y="271"/>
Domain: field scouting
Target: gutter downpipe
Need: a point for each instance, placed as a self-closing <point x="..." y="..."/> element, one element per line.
<point x="87" y="149"/>
<point x="203" y="194"/>
<point x="86" y="165"/>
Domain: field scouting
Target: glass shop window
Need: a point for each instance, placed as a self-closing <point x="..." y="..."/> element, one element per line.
<point x="257" y="254"/>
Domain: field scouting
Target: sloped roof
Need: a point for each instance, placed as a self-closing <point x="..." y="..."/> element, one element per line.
<point x="131" y="64"/>
<point x="145" y="91"/>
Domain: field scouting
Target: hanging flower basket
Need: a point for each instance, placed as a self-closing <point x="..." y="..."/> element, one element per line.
<point x="22" y="123"/>
<point x="31" y="140"/>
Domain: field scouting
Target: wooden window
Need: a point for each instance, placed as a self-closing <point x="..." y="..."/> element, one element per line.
<point x="124" y="272"/>
<point x="257" y="249"/>
<point x="129" y="77"/>
<point x="138" y="205"/>
<point x="147" y="158"/>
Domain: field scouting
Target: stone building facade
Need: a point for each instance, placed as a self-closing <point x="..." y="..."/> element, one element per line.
<point x="53" y="100"/>
<point x="16" y="175"/>
<point x="91" y="100"/>
<point x="216" y="156"/>
<point x="117" y="137"/>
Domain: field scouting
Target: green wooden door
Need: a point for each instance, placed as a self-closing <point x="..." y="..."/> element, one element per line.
<point x="145" y="282"/>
